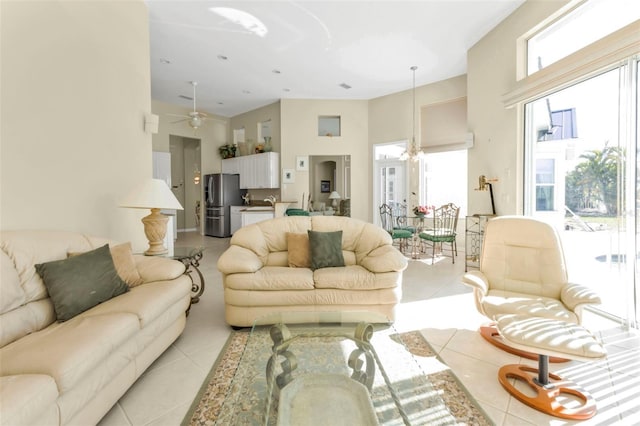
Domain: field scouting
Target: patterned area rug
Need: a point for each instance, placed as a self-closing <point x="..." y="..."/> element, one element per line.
<point x="219" y="394"/>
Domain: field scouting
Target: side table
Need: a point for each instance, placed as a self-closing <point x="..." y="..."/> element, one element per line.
<point x="190" y="257"/>
<point x="474" y="234"/>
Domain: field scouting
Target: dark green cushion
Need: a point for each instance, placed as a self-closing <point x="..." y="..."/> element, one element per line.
<point x="296" y="212"/>
<point x="325" y="249"/>
<point x="437" y="237"/>
<point x="401" y="233"/>
<point x="81" y="282"/>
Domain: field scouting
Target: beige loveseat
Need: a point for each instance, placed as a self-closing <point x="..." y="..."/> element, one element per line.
<point x="73" y="372"/>
<point x="258" y="280"/>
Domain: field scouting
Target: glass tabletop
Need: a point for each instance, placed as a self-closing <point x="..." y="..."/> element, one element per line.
<point x="180" y="253"/>
<point x="329" y="366"/>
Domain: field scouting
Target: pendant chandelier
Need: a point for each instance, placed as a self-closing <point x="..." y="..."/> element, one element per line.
<point x="414" y="152"/>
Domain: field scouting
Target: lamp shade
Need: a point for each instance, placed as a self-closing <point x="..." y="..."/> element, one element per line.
<point x="334" y="195"/>
<point x="151" y="194"/>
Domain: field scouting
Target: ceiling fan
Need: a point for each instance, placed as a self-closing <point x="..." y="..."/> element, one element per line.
<point x="195" y="118"/>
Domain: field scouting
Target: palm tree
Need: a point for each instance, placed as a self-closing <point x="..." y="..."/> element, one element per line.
<point x="598" y="177"/>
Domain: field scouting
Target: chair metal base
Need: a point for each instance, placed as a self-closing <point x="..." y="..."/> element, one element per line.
<point x="548" y="388"/>
<point x="492" y="335"/>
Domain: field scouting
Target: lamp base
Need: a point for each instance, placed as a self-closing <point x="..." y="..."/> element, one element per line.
<point x="155" y="228"/>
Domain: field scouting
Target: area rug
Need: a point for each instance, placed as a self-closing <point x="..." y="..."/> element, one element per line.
<point x="219" y="394"/>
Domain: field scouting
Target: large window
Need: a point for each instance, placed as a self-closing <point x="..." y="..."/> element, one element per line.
<point x="580" y="159"/>
<point x="591" y="21"/>
<point x="444" y="179"/>
<point x="545" y="184"/>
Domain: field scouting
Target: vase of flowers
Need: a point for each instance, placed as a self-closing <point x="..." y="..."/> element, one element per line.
<point x="422" y="211"/>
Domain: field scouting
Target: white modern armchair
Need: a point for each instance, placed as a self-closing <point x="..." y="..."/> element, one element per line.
<point x="523" y="272"/>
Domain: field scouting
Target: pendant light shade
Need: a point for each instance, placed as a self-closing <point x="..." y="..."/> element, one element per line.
<point x="414" y="152"/>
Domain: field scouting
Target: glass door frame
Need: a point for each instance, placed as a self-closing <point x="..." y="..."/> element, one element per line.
<point x="377" y="167"/>
<point x="628" y="212"/>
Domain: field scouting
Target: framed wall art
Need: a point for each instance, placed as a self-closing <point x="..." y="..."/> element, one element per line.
<point x="302" y="163"/>
<point x="288" y="176"/>
<point x="325" y="186"/>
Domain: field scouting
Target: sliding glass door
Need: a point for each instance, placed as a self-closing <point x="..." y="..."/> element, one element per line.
<point x="581" y="175"/>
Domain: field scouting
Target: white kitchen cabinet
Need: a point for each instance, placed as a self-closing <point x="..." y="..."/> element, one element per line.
<point x="231" y="165"/>
<point x="256" y="171"/>
<point x="250" y="217"/>
<point x="236" y="217"/>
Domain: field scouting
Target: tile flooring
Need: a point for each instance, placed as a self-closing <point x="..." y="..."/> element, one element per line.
<point x="435" y="302"/>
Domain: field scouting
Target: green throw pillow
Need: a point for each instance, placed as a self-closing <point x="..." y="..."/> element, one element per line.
<point x="81" y="282"/>
<point x="325" y="249"/>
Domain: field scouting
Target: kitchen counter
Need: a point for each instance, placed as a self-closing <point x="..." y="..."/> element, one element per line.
<point x="257" y="209"/>
<point x="279" y="208"/>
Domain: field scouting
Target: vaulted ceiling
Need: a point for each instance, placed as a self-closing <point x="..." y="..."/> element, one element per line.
<point x="247" y="54"/>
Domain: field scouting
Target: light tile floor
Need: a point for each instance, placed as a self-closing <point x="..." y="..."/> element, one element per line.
<point x="435" y="302"/>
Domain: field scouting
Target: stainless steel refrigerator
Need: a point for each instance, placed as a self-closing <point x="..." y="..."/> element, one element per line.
<point x="221" y="191"/>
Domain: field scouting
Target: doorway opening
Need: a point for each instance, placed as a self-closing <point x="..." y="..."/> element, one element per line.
<point x="185" y="181"/>
<point x="390" y="179"/>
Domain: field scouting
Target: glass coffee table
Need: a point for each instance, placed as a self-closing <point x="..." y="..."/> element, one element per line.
<point x="322" y="368"/>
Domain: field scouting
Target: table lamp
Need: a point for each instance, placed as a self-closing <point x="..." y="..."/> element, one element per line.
<point x="153" y="194"/>
<point x="334" y="197"/>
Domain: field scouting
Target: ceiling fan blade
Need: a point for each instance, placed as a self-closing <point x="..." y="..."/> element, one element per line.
<point x="179" y="121"/>
<point x="178" y="115"/>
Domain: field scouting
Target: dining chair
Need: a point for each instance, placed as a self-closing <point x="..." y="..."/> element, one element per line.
<point x="445" y="222"/>
<point x="402" y="236"/>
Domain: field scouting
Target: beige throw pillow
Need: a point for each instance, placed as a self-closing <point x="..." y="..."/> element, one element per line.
<point x="298" y="250"/>
<point x="124" y="262"/>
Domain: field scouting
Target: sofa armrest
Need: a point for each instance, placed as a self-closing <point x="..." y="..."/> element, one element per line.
<point x="477" y="280"/>
<point x="157" y="268"/>
<point x="574" y="295"/>
<point x="238" y="259"/>
<point x="28" y="399"/>
<point x="384" y="259"/>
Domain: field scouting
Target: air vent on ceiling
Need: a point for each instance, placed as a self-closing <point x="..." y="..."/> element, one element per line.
<point x="345" y="86"/>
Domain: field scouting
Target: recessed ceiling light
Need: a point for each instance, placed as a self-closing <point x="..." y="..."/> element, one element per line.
<point x="345" y="86"/>
<point x="222" y="57"/>
<point x="276" y="71"/>
<point x="165" y="61"/>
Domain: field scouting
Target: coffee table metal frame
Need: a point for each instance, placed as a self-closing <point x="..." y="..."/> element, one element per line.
<point x="362" y="361"/>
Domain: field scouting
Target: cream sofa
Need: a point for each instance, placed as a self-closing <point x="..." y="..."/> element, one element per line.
<point x="258" y="280"/>
<point x="73" y="372"/>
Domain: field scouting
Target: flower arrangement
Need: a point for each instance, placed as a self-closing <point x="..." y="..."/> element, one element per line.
<point x="422" y="210"/>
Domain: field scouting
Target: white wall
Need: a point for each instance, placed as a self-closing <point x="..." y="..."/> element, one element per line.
<point x="390" y="121"/>
<point x="498" y="131"/>
<point x="212" y="134"/>
<point x="75" y="89"/>
<point x="299" y="134"/>
<point x="249" y="121"/>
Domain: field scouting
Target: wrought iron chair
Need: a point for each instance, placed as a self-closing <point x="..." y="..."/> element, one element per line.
<point x="445" y="222"/>
<point x="399" y="211"/>
<point x="388" y="223"/>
